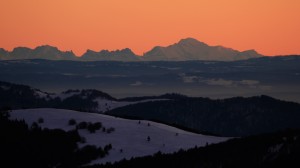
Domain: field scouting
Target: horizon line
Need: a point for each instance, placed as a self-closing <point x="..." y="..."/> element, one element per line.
<point x="140" y="55"/>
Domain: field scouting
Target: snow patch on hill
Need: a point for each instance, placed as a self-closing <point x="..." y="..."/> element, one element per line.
<point x="129" y="138"/>
<point x="64" y="95"/>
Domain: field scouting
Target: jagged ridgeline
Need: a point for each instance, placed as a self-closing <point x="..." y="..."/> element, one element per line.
<point x="184" y="50"/>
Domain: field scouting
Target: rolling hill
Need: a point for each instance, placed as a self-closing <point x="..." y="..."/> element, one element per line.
<point x="21" y="97"/>
<point x="226" y="117"/>
<point x="129" y="138"/>
<point x="275" y="150"/>
<point x="237" y="116"/>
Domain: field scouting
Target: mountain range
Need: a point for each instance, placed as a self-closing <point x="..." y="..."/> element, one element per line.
<point x="41" y="52"/>
<point x="184" y="50"/>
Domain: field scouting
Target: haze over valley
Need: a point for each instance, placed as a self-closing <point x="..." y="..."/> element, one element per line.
<point x="274" y="76"/>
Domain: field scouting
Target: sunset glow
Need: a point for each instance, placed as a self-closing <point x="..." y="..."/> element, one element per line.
<point x="270" y="27"/>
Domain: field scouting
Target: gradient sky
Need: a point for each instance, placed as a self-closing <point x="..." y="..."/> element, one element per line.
<point x="272" y="27"/>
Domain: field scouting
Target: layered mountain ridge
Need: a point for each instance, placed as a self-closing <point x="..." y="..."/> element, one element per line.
<point x="40" y="52"/>
<point x="234" y="117"/>
<point x="185" y="50"/>
<point x="117" y="55"/>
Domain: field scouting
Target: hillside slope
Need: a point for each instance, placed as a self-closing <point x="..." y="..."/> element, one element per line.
<point x="276" y="150"/>
<point x="18" y="96"/>
<point x="130" y="138"/>
<point x="227" y="117"/>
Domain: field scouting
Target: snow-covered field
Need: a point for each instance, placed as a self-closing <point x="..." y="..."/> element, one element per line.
<point x="129" y="136"/>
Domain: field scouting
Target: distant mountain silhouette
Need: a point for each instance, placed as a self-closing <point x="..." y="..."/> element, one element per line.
<point x="192" y="49"/>
<point x="185" y="50"/>
<point x="118" y="55"/>
<point x="41" y="52"/>
<point x="3" y="54"/>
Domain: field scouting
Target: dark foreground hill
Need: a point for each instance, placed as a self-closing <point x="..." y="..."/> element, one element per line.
<point x="226" y="117"/>
<point x="23" y="145"/>
<point x="274" y="150"/>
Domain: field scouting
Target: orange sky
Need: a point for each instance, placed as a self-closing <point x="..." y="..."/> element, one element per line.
<point x="272" y="27"/>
